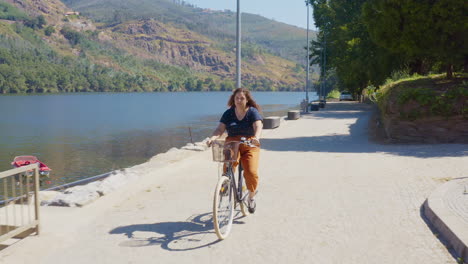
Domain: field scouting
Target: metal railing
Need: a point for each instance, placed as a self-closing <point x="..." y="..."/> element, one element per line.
<point x="19" y="206"/>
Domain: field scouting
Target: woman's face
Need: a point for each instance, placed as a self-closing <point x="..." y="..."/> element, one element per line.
<point x="240" y="100"/>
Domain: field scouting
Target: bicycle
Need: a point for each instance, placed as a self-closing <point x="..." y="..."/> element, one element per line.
<point x="228" y="194"/>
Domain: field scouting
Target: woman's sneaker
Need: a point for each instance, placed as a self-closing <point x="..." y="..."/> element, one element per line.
<point x="251" y="205"/>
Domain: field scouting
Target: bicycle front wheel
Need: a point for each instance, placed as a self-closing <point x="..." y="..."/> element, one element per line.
<point x="223" y="207"/>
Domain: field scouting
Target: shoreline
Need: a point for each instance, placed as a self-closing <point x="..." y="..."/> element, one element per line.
<point x="85" y="191"/>
<point x="82" y="192"/>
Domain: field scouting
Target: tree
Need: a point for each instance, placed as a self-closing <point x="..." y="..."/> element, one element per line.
<point x="199" y="86"/>
<point x="73" y="37"/>
<point x="226" y="86"/>
<point x="344" y="44"/>
<point x="37" y="22"/>
<point x="190" y="84"/>
<point x="41" y="22"/>
<point x="421" y="30"/>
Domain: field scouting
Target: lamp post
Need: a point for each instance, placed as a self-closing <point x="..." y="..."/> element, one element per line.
<point x="323" y="85"/>
<point x="307" y="60"/>
<point x="324" y="65"/>
<point x="238" y="47"/>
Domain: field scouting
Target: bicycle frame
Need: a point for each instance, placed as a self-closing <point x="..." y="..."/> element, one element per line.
<point x="237" y="186"/>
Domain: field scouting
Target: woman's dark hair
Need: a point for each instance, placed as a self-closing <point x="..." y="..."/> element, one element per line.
<point x="250" y="101"/>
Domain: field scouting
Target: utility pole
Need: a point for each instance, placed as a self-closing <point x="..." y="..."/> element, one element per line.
<point x="307" y="60"/>
<point x="238" y="48"/>
<point x="323" y="68"/>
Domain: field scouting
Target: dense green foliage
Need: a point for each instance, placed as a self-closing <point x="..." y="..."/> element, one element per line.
<point x="10" y="12"/>
<point x="421" y="30"/>
<point x="425" y="96"/>
<point x="334" y="94"/>
<point x="28" y="65"/>
<point x="346" y="45"/>
<point x="366" y="40"/>
<point x="36" y="22"/>
<point x="24" y="68"/>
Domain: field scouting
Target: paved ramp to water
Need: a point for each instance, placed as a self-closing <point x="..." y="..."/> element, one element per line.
<point x="327" y="195"/>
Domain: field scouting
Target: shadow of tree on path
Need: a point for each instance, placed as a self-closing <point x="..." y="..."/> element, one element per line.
<point x="357" y="141"/>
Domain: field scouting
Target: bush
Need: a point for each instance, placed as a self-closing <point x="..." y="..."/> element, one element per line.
<point x="425" y="97"/>
<point x="73" y="37"/>
<point x="37" y="22"/>
<point x="49" y="30"/>
<point x="335" y="94"/>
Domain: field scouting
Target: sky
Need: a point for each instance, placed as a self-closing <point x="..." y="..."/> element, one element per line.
<point x="293" y="12"/>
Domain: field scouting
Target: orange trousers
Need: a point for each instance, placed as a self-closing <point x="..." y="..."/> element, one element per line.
<point x="249" y="157"/>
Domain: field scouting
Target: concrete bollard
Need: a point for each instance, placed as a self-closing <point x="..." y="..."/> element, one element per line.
<point x="293" y="115"/>
<point x="322" y="103"/>
<point x="314" y="107"/>
<point x="271" y="122"/>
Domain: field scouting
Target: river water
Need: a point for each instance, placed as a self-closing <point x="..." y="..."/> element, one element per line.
<point x="83" y="135"/>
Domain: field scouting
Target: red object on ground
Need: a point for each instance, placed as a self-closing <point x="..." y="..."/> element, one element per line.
<point x="26" y="160"/>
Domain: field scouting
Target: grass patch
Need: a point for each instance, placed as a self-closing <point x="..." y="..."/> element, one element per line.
<point x="334" y="94"/>
<point x="418" y="97"/>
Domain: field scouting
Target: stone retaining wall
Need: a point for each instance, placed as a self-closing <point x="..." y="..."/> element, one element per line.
<point x="427" y="130"/>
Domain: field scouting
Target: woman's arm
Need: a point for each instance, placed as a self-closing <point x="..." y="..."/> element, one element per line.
<point x="257" y="126"/>
<point x="217" y="133"/>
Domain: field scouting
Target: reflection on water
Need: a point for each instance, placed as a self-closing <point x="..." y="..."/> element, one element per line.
<point x="77" y="149"/>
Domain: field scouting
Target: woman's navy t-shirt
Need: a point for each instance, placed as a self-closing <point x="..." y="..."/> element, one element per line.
<point x="242" y="127"/>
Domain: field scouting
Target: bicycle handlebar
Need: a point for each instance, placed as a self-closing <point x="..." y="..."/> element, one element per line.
<point x="249" y="143"/>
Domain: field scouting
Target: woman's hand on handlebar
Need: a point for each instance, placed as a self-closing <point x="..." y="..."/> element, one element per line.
<point x="209" y="142"/>
<point x="255" y="141"/>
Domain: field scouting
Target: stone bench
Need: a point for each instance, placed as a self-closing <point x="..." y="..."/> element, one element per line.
<point x="271" y="122"/>
<point x="293" y="114"/>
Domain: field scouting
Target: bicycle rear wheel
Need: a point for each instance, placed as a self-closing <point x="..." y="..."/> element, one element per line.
<point x="223" y="207"/>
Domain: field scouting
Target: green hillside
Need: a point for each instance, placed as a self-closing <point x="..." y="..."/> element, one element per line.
<point x="46" y="48"/>
<point x="281" y="39"/>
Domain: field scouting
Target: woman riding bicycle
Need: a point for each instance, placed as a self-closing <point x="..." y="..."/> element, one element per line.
<point x="243" y="119"/>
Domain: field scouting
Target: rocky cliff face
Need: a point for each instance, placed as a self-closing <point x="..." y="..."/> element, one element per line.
<point x="53" y="10"/>
<point x="173" y="46"/>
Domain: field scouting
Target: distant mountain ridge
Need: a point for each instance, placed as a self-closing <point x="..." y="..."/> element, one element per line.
<point x="138" y="45"/>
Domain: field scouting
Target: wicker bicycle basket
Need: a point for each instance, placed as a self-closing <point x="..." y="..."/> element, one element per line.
<point x="224" y="152"/>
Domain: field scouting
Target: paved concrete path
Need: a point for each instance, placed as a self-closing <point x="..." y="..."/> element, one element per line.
<point x="327" y="195"/>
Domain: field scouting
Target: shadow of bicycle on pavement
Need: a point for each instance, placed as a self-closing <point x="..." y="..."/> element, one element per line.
<point x="195" y="233"/>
